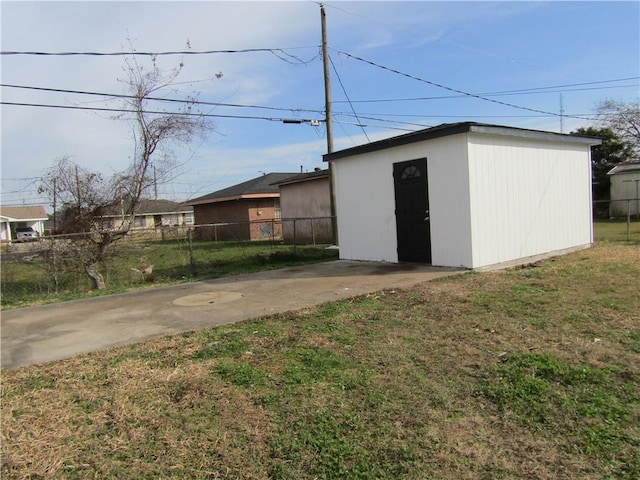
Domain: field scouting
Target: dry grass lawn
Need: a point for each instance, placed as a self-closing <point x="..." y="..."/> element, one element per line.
<point x="530" y="373"/>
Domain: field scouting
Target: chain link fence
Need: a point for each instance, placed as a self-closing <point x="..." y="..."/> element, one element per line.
<point x="55" y="268"/>
<point x="59" y="267"/>
<point x="617" y="220"/>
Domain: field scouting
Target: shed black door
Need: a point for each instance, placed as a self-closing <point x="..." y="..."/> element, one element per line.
<point x="412" y="211"/>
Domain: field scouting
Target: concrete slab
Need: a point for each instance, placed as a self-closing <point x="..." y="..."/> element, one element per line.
<point x="51" y="332"/>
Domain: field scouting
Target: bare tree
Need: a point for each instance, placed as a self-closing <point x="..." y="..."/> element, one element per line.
<point x="85" y="196"/>
<point x="156" y="130"/>
<point x="82" y="198"/>
<point x="624" y="120"/>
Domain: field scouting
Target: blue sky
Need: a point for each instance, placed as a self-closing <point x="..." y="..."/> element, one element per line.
<point x="557" y="55"/>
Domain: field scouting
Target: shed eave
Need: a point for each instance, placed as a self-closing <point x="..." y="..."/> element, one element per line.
<point x="459" y="128"/>
<point x="535" y="134"/>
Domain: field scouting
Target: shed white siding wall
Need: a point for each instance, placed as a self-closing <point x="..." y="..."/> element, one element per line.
<point x="448" y="181"/>
<point x="527" y="198"/>
<point x="365" y="202"/>
<point x="365" y="208"/>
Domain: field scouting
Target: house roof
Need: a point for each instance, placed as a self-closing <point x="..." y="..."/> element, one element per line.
<point x="303" y="177"/>
<point x="447" y="129"/>
<point x="625" y="167"/>
<point x="31" y="212"/>
<point x="262" y="186"/>
<point x="152" y="207"/>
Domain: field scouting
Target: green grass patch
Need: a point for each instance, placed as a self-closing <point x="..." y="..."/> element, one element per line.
<point x="591" y="406"/>
<point x="528" y="373"/>
<point x="31" y="280"/>
<point x="617" y="230"/>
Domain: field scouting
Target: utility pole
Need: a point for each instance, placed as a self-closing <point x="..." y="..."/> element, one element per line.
<point x="328" y="121"/>
<point x="327" y="81"/>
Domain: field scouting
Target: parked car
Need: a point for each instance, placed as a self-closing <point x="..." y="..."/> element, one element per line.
<point x="25" y="234"/>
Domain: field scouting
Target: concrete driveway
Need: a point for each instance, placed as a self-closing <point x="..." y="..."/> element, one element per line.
<point x="52" y="332"/>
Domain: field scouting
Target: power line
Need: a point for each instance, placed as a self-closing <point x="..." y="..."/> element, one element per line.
<point x="124" y="110"/>
<point x="242" y="117"/>
<point x="450" y="42"/>
<point x="361" y="125"/>
<point x="293" y="110"/>
<point x="159" y="99"/>
<point x="344" y="90"/>
<point x="473" y="95"/>
<point x="415" y="115"/>
<point x="159" y="54"/>
<point x="490" y="94"/>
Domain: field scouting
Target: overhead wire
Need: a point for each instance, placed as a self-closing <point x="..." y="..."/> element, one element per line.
<point x="451" y="89"/>
<point x="529" y="91"/>
<point x="154" y="54"/>
<point x="439" y="39"/>
<point x="344" y="90"/>
<point x="188" y="114"/>
<point x="160" y="99"/>
<point x="293" y="110"/>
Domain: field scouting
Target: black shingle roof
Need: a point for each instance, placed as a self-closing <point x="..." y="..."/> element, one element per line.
<point x="455" y="128"/>
<point x="304" y="176"/>
<point x="262" y="184"/>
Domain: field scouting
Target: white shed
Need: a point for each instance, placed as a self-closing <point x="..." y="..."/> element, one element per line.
<point x="625" y="189"/>
<point x="464" y="195"/>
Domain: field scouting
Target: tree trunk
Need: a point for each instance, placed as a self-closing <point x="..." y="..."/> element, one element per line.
<point x="96" y="276"/>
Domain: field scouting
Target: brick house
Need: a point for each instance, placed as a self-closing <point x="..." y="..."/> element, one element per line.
<point x="247" y="211"/>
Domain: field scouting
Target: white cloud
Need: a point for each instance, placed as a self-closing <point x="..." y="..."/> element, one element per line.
<point x="424" y="38"/>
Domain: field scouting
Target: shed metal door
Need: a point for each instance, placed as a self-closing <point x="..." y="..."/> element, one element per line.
<point x="412" y="211"/>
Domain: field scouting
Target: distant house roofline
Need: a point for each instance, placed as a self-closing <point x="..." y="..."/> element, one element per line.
<point x="235" y="197"/>
<point x="258" y="187"/>
<point x="447" y="129"/>
<point x="149" y="207"/>
<point x="625" y="167"/>
<point x="23" y="213"/>
<point x="304" y="177"/>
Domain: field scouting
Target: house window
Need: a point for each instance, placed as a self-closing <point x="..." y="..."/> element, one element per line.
<point x="170" y="219"/>
<point x="277" y="213"/>
<point x="266" y="230"/>
<point x="410" y="172"/>
<point x="106" y="223"/>
<point x="188" y="218"/>
<point x="138" y="221"/>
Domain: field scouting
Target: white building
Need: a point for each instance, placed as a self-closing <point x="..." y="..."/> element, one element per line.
<point x="625" y="189"/>
<point x="464" y="195"/>
<point x="16" y="217"/>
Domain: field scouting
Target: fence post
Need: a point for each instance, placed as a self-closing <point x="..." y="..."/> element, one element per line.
<point x="313" y="233"/>
<point x="294" y="237"/>
<point x="628" y="220"/>
<point x="54" y="271"/>
<point x="273" y="231"/>
<point x="192" y="263"/>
